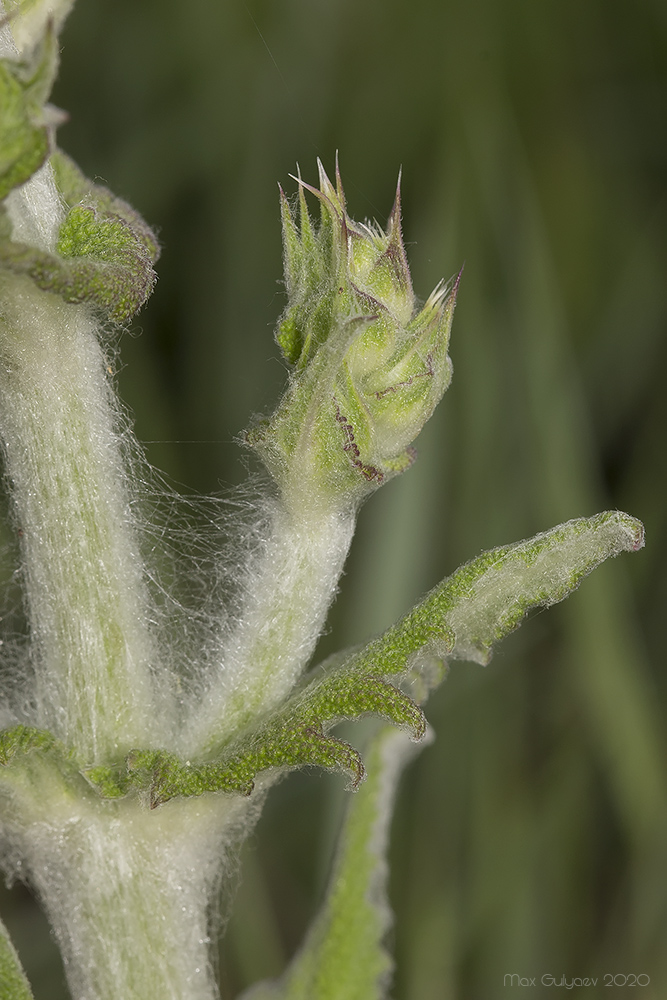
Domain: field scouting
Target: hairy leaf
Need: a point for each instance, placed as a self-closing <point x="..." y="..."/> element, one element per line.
<point x="22" y="740"/>
<point x="486" y="599"/>
<point x="76" y="189"/>
<point x="343" y="956"/>
<point x="26" y="751"/>
<point x="462" y="618"/>
<point x="295" y="736"/>
<point x="104" y="255"/>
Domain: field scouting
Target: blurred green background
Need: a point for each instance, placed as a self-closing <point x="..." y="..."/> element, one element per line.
<point x="530" y="837"/>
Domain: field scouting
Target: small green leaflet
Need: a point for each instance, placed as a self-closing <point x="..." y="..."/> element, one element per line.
<point x="105" y="252"/>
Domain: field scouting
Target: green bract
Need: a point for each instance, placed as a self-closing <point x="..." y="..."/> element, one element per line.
<point x="104" y="253"/>
<point x="368" y="367"/>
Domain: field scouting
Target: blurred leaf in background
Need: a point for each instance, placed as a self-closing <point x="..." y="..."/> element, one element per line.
<point x="532" y="137"/>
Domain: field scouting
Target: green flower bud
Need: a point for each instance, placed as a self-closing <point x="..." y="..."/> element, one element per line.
<point x="368" y="367"/>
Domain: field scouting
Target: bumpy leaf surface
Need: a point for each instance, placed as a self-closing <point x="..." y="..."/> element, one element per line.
<point x="462" y="618"/>
<point x="25" y="748"/>
<point x="104" y="255"/>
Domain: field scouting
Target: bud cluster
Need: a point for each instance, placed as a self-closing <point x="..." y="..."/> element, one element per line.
<point x="367" y="366"/>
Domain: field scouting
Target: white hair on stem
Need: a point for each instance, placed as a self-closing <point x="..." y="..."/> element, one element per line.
<point x="82" y="574"/>
<point x="288" y="588"/>
<point x="130" y="892"/>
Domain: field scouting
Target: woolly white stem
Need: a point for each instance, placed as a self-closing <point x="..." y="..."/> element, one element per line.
<point x="129" y="891"/>
<point x="86" y="604"/>
<point x="288" y="592"/>
<point x="82" y="571"/>
<point x="8" y="46"/>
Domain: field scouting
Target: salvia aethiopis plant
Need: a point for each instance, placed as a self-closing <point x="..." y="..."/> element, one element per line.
<point x="130" y="773"/>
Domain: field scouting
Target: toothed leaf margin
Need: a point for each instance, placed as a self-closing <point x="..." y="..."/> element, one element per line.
<point x="462" y="618"/>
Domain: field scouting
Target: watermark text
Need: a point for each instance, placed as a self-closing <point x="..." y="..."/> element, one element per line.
<point x="576" y="982"/>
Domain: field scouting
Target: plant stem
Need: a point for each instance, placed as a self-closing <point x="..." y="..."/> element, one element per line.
<point x="129" y="891"/>
<point x="82" y="574"/>
<point x="288" y="592"/>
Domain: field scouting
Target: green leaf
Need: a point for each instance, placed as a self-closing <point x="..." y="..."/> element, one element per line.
<point x="24" y="124"/>
<point x="104" y="254"/>
<point x="486" y="599"/>
<point x="76" y="189"/>
<point x="343" y="956"/>
<point x="21" y="740"/>
<point x="295" y="736"/>
<point x="462" y="618"/>
<point x="13" y="981"/>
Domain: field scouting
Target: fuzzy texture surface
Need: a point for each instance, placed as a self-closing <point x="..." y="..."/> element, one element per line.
<point x="288" y="588"/>
<point x="130" y="892"/>
<point x="122" y="837"/>
<point x="91" y="651"/>
<point x="344" y="955"/>
<point x="13" y="982"/>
